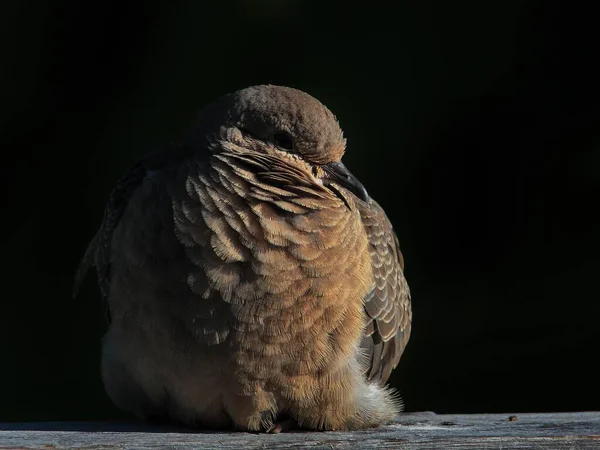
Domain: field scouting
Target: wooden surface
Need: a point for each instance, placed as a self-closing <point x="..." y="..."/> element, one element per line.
<point x="411" y="431"/>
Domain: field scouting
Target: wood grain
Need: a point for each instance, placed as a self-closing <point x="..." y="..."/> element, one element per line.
<point x="579" y="430"/>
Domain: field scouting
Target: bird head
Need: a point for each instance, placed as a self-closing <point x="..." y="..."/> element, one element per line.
<point x="287" y="124"/>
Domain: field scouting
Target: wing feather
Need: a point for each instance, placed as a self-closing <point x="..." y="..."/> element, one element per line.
<point x="388" y="305"/>
<point x="98" y="252"/>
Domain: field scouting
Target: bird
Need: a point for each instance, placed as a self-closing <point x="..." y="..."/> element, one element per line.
<point x="250" y="281"/>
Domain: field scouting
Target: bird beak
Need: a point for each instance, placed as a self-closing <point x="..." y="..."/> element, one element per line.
<point x="338" y="173"/>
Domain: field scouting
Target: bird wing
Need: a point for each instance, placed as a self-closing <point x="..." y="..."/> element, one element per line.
<point x="388" y="305"/>
<point x="98" y="252"/>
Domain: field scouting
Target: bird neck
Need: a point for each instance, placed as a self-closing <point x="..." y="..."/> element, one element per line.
<point x="264" y="178"/>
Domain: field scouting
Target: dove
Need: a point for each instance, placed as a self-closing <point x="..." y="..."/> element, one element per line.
<point x="250" y="281"/>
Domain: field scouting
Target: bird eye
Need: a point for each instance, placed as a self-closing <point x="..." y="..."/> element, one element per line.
<point x="283" y="140"/>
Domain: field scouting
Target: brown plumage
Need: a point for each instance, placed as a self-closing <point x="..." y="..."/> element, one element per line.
<point x="250" y="280"/>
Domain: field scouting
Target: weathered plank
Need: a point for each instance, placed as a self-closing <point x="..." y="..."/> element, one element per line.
<point x="410" y="431"/>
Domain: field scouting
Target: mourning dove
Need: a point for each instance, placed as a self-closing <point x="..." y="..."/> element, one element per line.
<point x="250" y="280"/>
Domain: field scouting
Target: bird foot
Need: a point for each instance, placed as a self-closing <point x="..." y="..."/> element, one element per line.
<point x="282" y="425"/>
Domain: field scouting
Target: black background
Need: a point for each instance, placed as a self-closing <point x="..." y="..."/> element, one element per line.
<point x="475" y="125"/>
